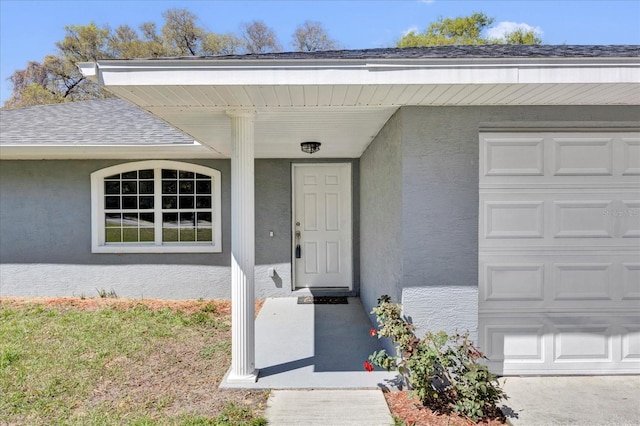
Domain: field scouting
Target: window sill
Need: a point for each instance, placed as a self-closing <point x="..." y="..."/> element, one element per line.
<point x="122" y="249"/>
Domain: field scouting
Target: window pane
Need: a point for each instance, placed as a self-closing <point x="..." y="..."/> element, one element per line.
<point x="130" y="219"/>
<point x="113" y="177"/>
<point x="204" y="219"/>
<point x="129" y="202"/>
<point x="169" y="202"/>
<point x="186" y="175"/>
<point x="113" y="220"/>
<point x="130" y="175"/>
<point x="111" y="203"/>
<point x="113" y="235"/>
<point x="129" y="187"/>
<point x="169" y="174"/>
<point x="112" y="187"/>
<point x="203" y="202"/>
<point x="186" y="202"/>
<point x="170" y="220"/>
<point x="169" y="187"/>
<point x="169" y="234"/>
<point x="187" y="234"/>
<point x="199" y="176"/>
<point x="186" y="187"/>
<point x="147" y="234"/>
<point x="146" y="202"/>
<point x="130" y="235"/>
<point x="203" y="187"/>
<point x="145" y="174"/>
<point x="147" y="219"/>
<point x="187" y="219"/>
<point x="146" y="187"/>
<point x="204" y="234"/>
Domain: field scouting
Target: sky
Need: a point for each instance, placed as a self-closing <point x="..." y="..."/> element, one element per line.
<point x="29" y="29"/>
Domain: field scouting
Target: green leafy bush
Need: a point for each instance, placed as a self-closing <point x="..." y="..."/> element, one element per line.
<point x="442" y="370"/>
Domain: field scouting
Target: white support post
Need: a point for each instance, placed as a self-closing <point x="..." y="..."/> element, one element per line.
<point x="242" y="249"/>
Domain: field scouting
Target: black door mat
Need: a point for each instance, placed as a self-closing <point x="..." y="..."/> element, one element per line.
<point x="322" y="300"/>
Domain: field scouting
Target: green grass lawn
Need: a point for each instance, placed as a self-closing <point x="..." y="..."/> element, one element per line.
<point x="119" y="363"/>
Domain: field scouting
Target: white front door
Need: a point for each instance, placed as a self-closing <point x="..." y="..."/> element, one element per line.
<point x="322" y="226"/>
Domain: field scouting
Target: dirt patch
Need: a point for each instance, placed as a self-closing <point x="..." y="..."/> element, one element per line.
<point x="93" y="303"/>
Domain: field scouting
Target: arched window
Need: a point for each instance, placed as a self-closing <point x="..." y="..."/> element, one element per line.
<point x="156" y="206"/>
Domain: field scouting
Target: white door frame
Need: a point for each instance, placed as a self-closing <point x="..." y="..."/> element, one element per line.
<point x="294" y="166"/>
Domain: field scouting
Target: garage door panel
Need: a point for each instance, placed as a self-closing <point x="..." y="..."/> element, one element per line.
<point x="582" y="156"/>
<point x="630" y="156"/>
<point x="517" y="156"/>
<point x="574" y="158"/>
<point x="628" y="218"/>
<point x="581" y="343"/>
<point x="559" y="252"/>
<point x="631" y="343"/>
<point x="561" y="343"/>
<point x="559" y="217"/>
<point x="513" y="282"/>
<point x="578" y="282"/>
<point x="630" y="281"/>
<point x="582" y="219"/>
<point x="557" y="281"/>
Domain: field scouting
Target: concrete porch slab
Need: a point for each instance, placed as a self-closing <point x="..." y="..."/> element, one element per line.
<point x="315" y="346"/>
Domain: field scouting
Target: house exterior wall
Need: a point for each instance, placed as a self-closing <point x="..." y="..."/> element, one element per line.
<point x="381" y="215"/>
<point x="45" y="237"/>
<point x="439" y="203"/>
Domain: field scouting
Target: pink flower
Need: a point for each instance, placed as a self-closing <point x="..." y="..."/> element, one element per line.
<point x="372" y="332"/>
<point x="368" y="366"/>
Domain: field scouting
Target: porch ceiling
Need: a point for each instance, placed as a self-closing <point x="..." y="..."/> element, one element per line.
<point x="343" y="105"/>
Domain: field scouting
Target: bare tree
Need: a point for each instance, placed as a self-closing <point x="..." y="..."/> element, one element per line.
<point x="221" y="44"/>
<point x="180" y="32"/>
<point x="259" y="38"/>
<point x="54" y="80"/>
<point x="311" y="36"/>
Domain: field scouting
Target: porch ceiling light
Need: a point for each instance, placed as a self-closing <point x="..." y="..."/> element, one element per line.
<point x="310" y="147"/>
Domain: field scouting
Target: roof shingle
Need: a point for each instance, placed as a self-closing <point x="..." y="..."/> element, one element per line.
<point x="99" y="122"/>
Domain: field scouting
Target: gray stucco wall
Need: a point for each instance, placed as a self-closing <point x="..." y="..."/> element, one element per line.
<point x="45" y="237"/>
<point x="381" y="216"/>
<point x="439" y="203"/>
<point x="273" y="213"/>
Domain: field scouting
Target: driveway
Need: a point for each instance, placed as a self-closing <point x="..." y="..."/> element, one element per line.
<point x="572" y="400"/>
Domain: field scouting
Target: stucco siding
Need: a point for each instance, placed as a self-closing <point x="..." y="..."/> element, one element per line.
<point x="380" y="220"/>
<point x="45" y="244"/>
<point x="440" y="153"/>
<point x="45" y="237"/>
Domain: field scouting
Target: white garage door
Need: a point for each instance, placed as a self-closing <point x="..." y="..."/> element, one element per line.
<point x="559" y="252"/>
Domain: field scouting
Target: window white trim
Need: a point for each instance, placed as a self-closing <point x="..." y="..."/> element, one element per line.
<point x="98" y="244"/>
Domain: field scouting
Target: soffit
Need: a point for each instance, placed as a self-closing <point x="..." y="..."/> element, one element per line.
<point x="345" y="118"/>
<point x="344" y="103"/>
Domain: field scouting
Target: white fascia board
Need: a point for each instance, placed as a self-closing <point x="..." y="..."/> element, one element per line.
<point x="89" y="70"/>
<point x="94" y="152"/>
<point x="497" y="71"/>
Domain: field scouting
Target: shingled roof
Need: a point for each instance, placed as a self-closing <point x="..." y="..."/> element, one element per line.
<point x="487" y="51"/>
<point x="99" y="122"/>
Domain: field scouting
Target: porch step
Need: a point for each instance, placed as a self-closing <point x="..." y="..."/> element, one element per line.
<point x="328" y="407"/>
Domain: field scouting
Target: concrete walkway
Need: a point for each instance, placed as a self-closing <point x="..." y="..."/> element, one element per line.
<point x="327" y="408"/>
<point x="572" y="400"/>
